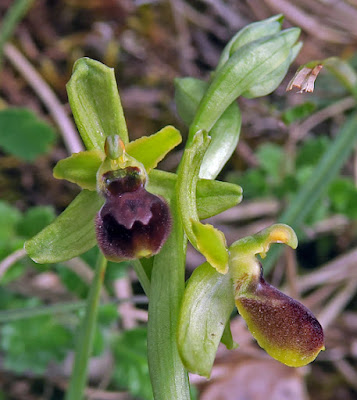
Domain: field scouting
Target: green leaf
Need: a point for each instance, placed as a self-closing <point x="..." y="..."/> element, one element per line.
<point x="95" y="103"/>
<point x="311" y="151"/>
<point x="24" y="351"/>
<point x="80" y="168"/>
<point x="197" y="233"/>
<point x="24" y="135"/>
<point x="205" y="311"/>
<point x="34" y="220"/>
<point x="343" y="196"/>
<point x="244" y="68"/>
<point x="150" y="150"/>
<point x="298" y="112"/>
<point x="131" y="367"/>
<point x="271" y="159"/>
<point x="9" y="217"/>
<point x="71" y="234"/>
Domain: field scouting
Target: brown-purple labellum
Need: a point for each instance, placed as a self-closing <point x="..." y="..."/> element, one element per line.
<point x="282" y="326"/>
<point x="132" y="223"/>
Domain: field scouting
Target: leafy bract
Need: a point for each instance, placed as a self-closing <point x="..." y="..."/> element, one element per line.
<point x="23" y="134"/>
<point x="205" y="310"/>
<point x="224" y="134"/>
<point x="247" y="66"/>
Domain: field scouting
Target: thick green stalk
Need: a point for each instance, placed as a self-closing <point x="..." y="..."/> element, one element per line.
<point x="168" y="376"/>
<point x="86" y="334"/>
<point x="14" y="15"/>
<point x="317" y="185"/>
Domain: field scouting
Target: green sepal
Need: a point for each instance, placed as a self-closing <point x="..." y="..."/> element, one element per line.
<point x="95" y="103"/>
<point x="71" y="234"/>
<point x="227" y="338"/>
<point x="249" y="33"/>
<point x="150" y="150"/>
<point x="213" y="197"/>
<point x="80" y="168"/>
<point x="205" y="311"/>
<point x="198" y="234"/>
<point x="243" y="69"/>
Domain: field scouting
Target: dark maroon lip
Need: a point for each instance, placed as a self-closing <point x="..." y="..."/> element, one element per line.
<point x="132" y="223"/>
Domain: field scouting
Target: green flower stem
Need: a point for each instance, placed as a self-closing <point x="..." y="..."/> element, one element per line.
<point x="86" y="334"/>
<point x="168" y="376"/>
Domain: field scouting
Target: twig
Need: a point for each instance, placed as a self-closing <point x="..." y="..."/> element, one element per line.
<point x="335" y="270"/>
<point x="48" y="97"/>
<point x="248" y="210"/>
<point x="11" y="259"/>
<point x="82" y="269"/>
<point x="308" y="22"/>
<point x="186" y="52"/>
<point x="348" y="372"/>
<point x="337" y="304"/>
<point x="299" y="132"/>
<point x="122" y="289"/>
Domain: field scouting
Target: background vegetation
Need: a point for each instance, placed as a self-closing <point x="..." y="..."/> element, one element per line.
<point x="284" y="136"/>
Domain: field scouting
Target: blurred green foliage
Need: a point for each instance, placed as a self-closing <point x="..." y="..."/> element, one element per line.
<point x="23" y="134"/>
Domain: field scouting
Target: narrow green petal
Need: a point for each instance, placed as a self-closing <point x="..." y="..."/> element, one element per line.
<point x="71" y="234"/>
<point x="150" y="150"/>
<point x="95" y="103"/>
<point x="80" y="168"/>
